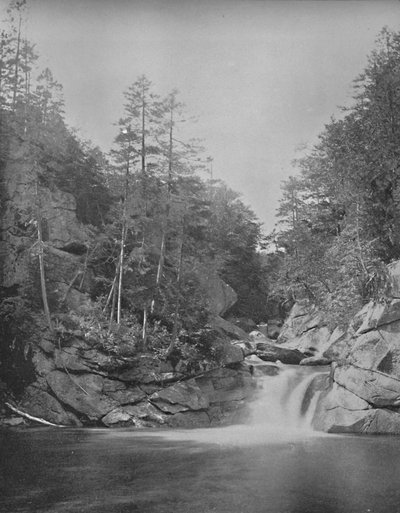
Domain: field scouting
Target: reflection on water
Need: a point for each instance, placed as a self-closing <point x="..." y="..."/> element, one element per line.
<point x="199" y="471"/>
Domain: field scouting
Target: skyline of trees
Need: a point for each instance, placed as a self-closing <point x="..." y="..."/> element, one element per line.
<point x="156" y="222"/>
<point x="160" y="223"/>
<point x="340" y="213"/>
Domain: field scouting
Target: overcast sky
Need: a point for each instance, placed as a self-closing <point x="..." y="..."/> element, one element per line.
<point x="262" y="76"/>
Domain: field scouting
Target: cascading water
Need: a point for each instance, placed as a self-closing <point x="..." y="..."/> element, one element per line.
<point x="286" y="402"/>
<point x="281" y="412"/>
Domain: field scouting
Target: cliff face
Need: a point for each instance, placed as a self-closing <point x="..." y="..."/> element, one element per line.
<point x="64" y="236"/>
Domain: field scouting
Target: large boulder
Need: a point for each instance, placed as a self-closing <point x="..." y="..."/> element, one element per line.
<point x="258" y="367"/>
<point x="180" y="397"/>
<point x="227" y="328"/>
<point x="82" y="393"/>
<point x="303" y="317"/>
<point x="305" y="330"/>
<point x="311" y="342"/>
<point x="273" y="353"/>
<point x="228" y="353"/>
<point x="39" y="403"/>
<point x="221" y="297"/>
<point x="225" y="385"/>
<point x="340" y="411"/>
<point x="375" y="387"/>
<point x="378" y="349"/>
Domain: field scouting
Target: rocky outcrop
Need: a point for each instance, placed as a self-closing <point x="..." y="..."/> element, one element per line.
<point x="78" y="384"/>
<point x="64" y="237"/>
<point x="364" y="395"/>
<point x="305" y="330"/>
<point x="221" y="297"/>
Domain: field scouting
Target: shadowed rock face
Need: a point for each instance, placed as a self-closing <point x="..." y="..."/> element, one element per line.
<point x="75" y="387"/>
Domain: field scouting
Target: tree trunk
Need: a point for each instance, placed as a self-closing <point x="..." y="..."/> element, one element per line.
<point x="17" y="56"/>
<point x="121" y="267"/>
<point x="144" y="333"/>
<point x="41" y="260"/>
<point x="167" y="211"/>
<point x="176" y="325"/>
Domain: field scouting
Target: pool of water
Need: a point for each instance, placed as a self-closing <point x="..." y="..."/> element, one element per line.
<point x="219" y="470"/>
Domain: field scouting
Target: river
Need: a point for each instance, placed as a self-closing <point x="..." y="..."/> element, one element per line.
<point x="253" y="468"/>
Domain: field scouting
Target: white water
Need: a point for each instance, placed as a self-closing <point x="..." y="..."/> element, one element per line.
<point x="282" y="411"/>
<point x="282" y="404"/>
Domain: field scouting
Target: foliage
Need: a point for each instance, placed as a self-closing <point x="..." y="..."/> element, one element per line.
<point x="339" y="216"/>
<point x="154" y="226"/>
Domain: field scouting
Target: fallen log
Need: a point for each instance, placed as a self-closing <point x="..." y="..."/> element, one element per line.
<point x="31" y="417"/>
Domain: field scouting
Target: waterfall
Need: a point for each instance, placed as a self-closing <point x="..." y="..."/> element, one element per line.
<point x="281" y="412"/>
<point x="286" y="402"/>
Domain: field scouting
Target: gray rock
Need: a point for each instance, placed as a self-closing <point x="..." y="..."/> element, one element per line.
<point x="263" y="329"/>
<point x="312" y="341"/>
<point x="225" y="327"/>
<point x="122" y="393"/>
<point x="316" y="360"/>
<point x="12" y="421"/>
<point x="260" y="367"/>
<point x="118" y="418"/>
<point x="394" y="279"/>
<point x="273" y="353"/>
<point x="374" y="387"/>
<point x="188" y="419"/>
<point x="39" y="403"/>
<point x="145" y="412"/>
<point x="379" y="314"/>
<point x="83" y="393"/>
<point x="303" y="317"/>
<point x="140" y="415"/>
<point x="221" y="297"/>
<point x="228" y="353"/>
<point x="339" y="345"/>
<point x="226" y="385"/>
<point x="70" y="358"/>
<point x="248" y="347"/>
<point x="369" y="350"/>
<point x="42" y="362"/>
<point x="144" y="369"/>
<point x="180" y="397"/>
<point x="258" y="336"/>
<point x="370" y="315"/>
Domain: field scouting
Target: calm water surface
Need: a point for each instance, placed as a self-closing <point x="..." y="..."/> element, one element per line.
<point x="228" y="470"/>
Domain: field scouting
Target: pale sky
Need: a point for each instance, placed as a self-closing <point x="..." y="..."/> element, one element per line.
<point x="263" y="77"/>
